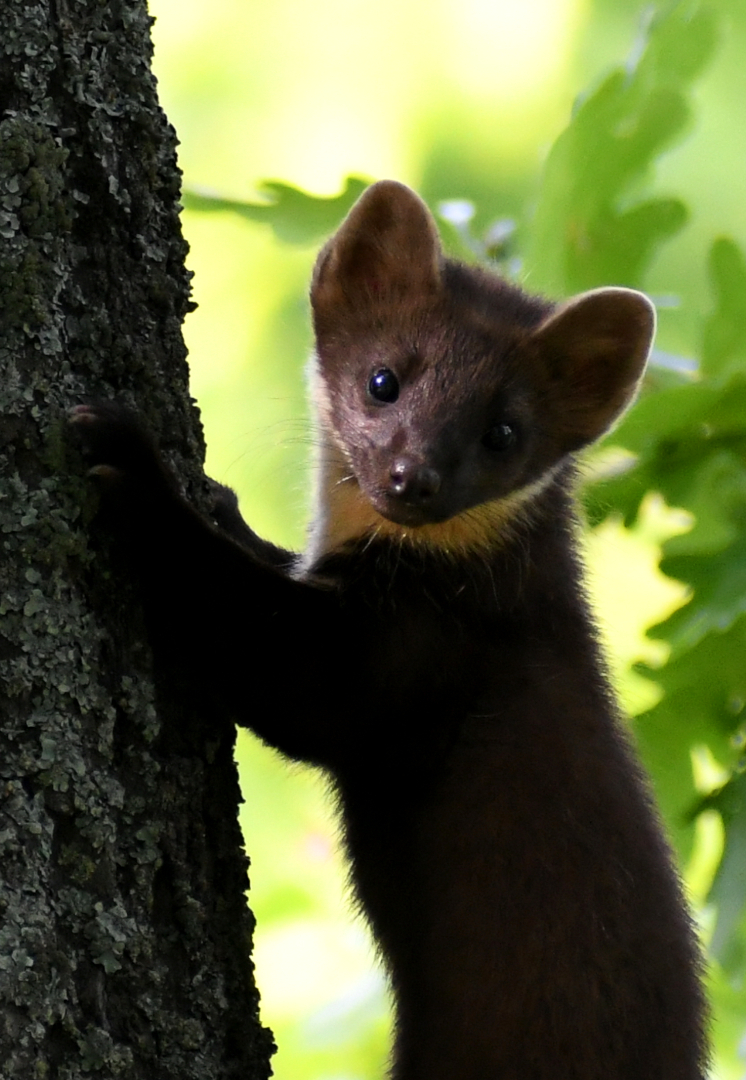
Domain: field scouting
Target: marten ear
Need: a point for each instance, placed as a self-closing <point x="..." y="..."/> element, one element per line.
<point x="387" y="246"/>
<point x="594" y="349"/>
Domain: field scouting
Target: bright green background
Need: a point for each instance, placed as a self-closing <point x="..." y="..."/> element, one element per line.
<point x="469" y="99"/>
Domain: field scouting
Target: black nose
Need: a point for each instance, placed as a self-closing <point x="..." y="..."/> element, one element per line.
<point x="412" y="481"/>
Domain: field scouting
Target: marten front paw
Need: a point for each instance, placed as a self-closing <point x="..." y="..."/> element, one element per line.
<point x="226" y="515"/>
<point x="118" y="448"/>
<point x="224" y="506"/>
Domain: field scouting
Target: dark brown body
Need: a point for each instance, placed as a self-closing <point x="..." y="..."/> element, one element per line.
<point x="503" y="842"/>
<point x="445" y="672"/>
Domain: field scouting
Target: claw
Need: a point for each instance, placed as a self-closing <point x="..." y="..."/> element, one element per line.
<point x="82" y="414"/>
<point x="106" y="472"/>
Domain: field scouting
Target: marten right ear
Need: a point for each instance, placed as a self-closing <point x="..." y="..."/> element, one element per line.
<point x="387" y="246"/>
<point x="594" y="348"/>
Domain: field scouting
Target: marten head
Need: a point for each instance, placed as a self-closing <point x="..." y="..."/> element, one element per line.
<point x="440" y="388"/>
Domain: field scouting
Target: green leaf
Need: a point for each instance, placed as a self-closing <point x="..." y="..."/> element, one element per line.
<point x="703" y="694"/>
<point x="711" y="558"/>
<point x="681" y="43"/>
<point x="679" y="434"/>
<point x="586" y="230"/>
<point x="725" y="330"/>
<point x="624" y="243"/>
<point x="728" y="1000"/>
<point x="729" y="887"/>
<point x="295" y="216"/>
<point x="719" y="584"/>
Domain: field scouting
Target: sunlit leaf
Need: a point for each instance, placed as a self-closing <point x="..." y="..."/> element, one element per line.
<point x="295" y="216"/>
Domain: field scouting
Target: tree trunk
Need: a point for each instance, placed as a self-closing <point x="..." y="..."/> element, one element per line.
<point x="124" y="934"/>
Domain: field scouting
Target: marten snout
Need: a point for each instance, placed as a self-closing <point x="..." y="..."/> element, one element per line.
<point x="412" y="481"/>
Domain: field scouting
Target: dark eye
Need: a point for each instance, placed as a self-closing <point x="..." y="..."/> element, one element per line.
<point x="383" y="386"/>
<point x="500" y="436"/>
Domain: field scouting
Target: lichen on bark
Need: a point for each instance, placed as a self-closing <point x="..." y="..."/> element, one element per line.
<point x="124" y="935"/>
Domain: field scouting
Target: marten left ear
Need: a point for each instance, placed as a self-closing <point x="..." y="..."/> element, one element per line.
<point x="594" y="349"/>
<point x="386" y="248"/>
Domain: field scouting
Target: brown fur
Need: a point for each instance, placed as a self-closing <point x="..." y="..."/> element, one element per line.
<point x="534" y="927"/>
<point x="438" y="659"/>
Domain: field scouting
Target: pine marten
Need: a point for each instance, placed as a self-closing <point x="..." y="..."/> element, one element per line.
<point x="439" y="661"/>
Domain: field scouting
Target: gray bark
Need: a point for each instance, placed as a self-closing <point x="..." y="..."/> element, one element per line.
<point x="124" y="934"/>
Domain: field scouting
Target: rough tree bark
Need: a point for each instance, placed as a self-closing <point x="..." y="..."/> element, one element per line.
<point x="124" y="935"/>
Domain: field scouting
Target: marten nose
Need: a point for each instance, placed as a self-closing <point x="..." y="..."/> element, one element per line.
<point x="412" y="481"/>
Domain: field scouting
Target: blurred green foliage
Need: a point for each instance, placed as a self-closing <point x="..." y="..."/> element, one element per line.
<point x="589" y="227"/>
<point x="623" y="198"/>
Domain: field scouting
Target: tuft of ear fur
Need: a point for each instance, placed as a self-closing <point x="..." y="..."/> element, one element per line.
<point x="594" y="348"/>
<point x="387" y="245"/>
